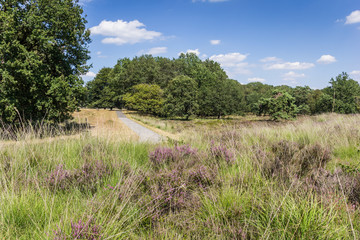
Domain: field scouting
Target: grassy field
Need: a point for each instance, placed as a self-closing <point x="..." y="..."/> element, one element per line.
<point x="239" y="178"/>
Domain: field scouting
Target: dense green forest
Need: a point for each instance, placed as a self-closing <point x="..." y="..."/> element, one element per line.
<point x="189" y="86"/>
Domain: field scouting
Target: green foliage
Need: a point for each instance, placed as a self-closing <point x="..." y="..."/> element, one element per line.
<point x="43" y="52"/>
<point x="181" y="97"/>
<point x="280" y="106"/>
<point x="101" y="93"/>
<point x="145" y="98"/>
<point x="345" y="92"/>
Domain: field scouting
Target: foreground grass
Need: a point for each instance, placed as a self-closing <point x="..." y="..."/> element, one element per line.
<point x="233" y="181"/>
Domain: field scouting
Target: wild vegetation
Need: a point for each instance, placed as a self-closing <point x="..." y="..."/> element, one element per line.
<point x="224" y="179"/>
<point x="188" y="86"/>
<point x="221" y="174"/>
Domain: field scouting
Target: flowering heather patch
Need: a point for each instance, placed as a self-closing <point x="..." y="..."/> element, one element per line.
<point x="164" y="155"/>
<point x="90" y="175"/>
<point x="202" y="176"/>
<point x="86" y="178"/>
<point x="221" y="152"/>
<point x="87" y="230"/>
<point x="169" y="193"/>
<point x="59" y="178"/>
<point x="290" y="159"/>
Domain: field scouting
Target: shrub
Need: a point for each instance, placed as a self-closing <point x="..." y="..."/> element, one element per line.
<point x="288" y="159"/>
<point x="85" y="178"/>
<point x="164" y="155"/>
<point x="87" y="230"/>
<point x="222" y="153"/>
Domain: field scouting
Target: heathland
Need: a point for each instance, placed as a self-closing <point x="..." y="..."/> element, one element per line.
<point x="234" y="178"/>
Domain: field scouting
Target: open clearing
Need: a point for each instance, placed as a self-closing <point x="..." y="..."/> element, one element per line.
<point x="222" y="179"/>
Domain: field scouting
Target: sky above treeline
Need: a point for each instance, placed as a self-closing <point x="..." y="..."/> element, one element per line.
<point x="277" y="42"/>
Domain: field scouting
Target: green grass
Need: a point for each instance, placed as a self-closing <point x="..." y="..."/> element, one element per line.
<point x="241" y="203"/>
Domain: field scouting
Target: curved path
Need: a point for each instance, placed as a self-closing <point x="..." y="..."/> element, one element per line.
<point x="145" y="134"/>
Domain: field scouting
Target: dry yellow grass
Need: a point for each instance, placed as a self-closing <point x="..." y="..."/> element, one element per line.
<point x="105" y="123"/>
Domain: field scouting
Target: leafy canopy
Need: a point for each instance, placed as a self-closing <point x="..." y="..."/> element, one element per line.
<point x="181" y="97"/>
<point x="43" y="52"/>
<point x="145" y="98"/>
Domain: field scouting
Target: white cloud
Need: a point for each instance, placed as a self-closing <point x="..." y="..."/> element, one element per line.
<point x="88" y="76"/>
<point x="355" y="75"/>
<point x="289" y="66"/>
<point x="157" y="50"/>
<point x="83" y="2"/>
<point x="270" y="59"/>
<point x="292" y="76"/>
<point x="230" y="59"/>
<point x="354" y="17"/>
<point x="122" y="32"/>
<point x="215" y="42"/>
<point x="233" y="63"/>
<point x="98" y="53"/>
<point x="326" y="59"/>
<point x="256" y="79"/>
<point x="196" y="51"/>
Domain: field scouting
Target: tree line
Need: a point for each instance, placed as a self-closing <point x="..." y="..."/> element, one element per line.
<point x="44" y="51"/>
<point x="189" y="86"/>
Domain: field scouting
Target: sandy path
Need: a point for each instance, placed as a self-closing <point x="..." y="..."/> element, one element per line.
<point x="145" y="134"/>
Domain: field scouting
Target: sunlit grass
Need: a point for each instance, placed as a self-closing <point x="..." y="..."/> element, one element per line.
<point x="238" y="200"/>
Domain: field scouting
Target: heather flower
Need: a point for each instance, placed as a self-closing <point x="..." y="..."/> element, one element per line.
<point x="87" y="230"/>
<point x="86" y="178"/>
<point x="202" y="176"/>
<point x="59" y="178"/>
<point x="222" y="153"/>
<point x="164" y="155"/>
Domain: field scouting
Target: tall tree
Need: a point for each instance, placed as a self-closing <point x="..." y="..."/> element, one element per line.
<point x="43" y="52"/>
<point x="344" y="91"/>
<point x="280" y="106"/>
<point x="145" y="98"/>
<point x="181" y="97"/>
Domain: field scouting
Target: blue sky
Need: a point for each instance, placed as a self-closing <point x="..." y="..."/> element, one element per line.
<point x="292" y="42"/>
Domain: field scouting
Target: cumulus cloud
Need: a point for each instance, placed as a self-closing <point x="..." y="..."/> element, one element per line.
<point x="355" y="75"/>
<point x="215" y="42"/>
<point x="90" y="74"/>
<point x="157" y="50"/>
<point x="354" y="17"/>
<point x="289" y="66"/>
<point x="233" y="63"/>
<point x="122" y="32"/>
<point x="326" y="59"/>
<point x="83" y="2"/>
<point x="292" y="76"/>
<point x="256" y="79"/>
<point x="195" y="51"/>
<point x="270" y="59"/>
<point x="230" y="59"/>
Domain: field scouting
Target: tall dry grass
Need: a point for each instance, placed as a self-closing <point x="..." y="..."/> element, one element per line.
<point x="230" y="179"/>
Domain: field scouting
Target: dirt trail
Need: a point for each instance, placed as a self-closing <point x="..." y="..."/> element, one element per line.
<point x="145" y="134"/>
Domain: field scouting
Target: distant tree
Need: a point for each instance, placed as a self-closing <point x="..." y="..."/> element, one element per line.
<point x="280" y="106"/>
<point x="253" y="93"/>
<point x="145" y="98"/>
<point x="181" y="97"/>
<point x="43" y="52"/>
<point x="97" y="85"/>
<point x="301" y="95"/>
<point x="344" y="92"/>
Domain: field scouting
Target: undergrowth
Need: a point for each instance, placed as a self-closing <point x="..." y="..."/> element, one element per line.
<point x="297" y="180"/>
